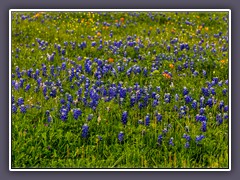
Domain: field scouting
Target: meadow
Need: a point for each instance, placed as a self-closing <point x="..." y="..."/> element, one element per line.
<point x="119" y="90"/>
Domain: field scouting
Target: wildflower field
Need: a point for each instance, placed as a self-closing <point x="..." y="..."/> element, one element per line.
<point x="119" y="90"/>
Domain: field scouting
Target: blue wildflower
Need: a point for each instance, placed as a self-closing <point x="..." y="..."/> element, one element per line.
<point x="124" y="117"/>
<point x="121" y="136"/>
<point x="147" y="120"/>
<point x="202" y="111"/>
<point x="225" y="108"/>
<point x="20" y="101"/>
<point x="187" y="145"/>
<point x="171" y="141"/>
<point x="85" y="131"/>
<point x="224" y="91"/>
<point x="225" y="116"/>
<point x="14" y="108"/>
<point x="90" y="116"/>
<point x="160" y="138"/>
<point x="165" y="130"/>
<point x="194" y="104"/>
<point x="185" y="91"/>
<point x="187" y="137"/>
<point x="199" y="138"/>
<point x="219" y="118"/>
<point x="63" y="114"/>
<point x="159" y="117"/>
<point x="204" y="126"/>
<point x="76" y="113"/>
<point x="49" y="119"/>
<point x="23" y="109"/>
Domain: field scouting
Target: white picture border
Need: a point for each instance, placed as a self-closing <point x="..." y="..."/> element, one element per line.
<point x="118" y="10"/>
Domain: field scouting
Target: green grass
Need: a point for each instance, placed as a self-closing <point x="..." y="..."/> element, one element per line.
<point x="58" y="144"/>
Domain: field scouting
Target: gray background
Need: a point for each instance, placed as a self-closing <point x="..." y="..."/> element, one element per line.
<point x="120" y="4"/>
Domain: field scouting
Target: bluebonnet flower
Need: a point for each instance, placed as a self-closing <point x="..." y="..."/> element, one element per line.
<point x="188" y="99"/>
<point x="221" y="105"/>
<point x="147" y="120"/>
<point x="224" y="91"/>
<point x="23" y="109"/>
<point x="187" y="137"/>
<point x="210" y="102"/>
<point x="204" y="73"/>
<point x="124" y="117"/>
<point x="155" y="103"/>
<point x="27" y="87"/>
<point x="14" y="108"/>
<point x="194" y="104"/>
<point x="13" y="99"/>
<point x="167" y="97"/>
<point x="215" y="79"/>
<point x="160" y="138"/>
<point x="176" y="97"/>
<point x="187" y="145"/>
<point x="70" y="98"/>
<point x="90" y="116"/>
<point x="202" y="101"/>
<point x="225" y="108"/>
<point x="132" y="100"/>
<point x="204" y="126"/>
<point x="76" y="113"/>
<point x="205" y="91"/>
<point x="171" y="141"/>
<point x="44" y="90"/>
<point x="123" y="92"/>
<point x="53" y="92"/>
<point x="121" y="136"/>
<point x="179" y="68"/>
<point x="213" y="91"/>
<point x="185" y="91"/>
<point x="202" y="111"/>
<point x="49" y="119"/>
<point x="219" y="118"/>
<point x="225" y="116"/>
<point x="85" y="131"/>
<point x="63" y="65"/>
<point x="226" y="82"/>
<point x="47" y="97"/>
<point x="16" y="85"/>
<point x="47" y="113"/>
<point x="62" y="101"/>
<point x="39" y="80"/>
<point x="20" y="101"/>
<point x="220" y="83"/>
<point x="199" y="138"/>
<point x="140" y="122"/>
<point x="195" y="73"/>
<point x="63" y="114"/>
<point x="159" y="117"/>
<point x="201" y="118"/>
<point x="165" y="130"/>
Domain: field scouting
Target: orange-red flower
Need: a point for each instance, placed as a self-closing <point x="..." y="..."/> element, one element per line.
<point x="171" y="66"/>
<point x="111" y="60"/>
<point x="223" y="61"/>
<point x="166" y="75"/>
<point x="122" y="19"/>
